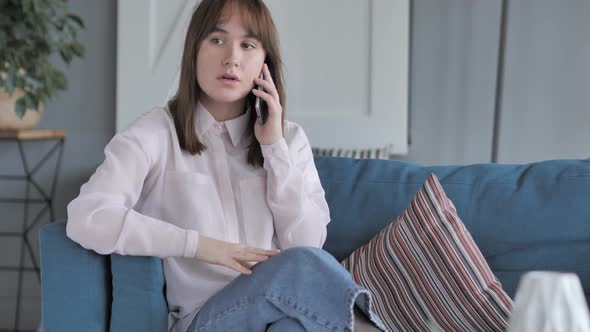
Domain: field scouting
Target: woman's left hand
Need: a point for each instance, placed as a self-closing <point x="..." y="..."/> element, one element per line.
<point x="272" y="131"/>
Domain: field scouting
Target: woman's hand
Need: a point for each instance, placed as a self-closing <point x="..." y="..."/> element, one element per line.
<point x="272" y="130"/>
<point x="233" y="255"/>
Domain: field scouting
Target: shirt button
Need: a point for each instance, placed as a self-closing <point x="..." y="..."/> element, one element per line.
<point x="218" y="129"/>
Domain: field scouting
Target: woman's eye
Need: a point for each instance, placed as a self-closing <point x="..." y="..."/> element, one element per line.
<point x="215" y="41"/>
<point x="248" y="45"/>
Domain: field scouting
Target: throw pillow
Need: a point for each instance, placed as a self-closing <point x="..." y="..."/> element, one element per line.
<point x="425" y="268"/>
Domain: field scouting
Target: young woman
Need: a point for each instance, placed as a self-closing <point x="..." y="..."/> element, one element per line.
<point x="205" y="185"/>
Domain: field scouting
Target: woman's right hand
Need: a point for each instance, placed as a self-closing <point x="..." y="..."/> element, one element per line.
<point x="233" y="255"/>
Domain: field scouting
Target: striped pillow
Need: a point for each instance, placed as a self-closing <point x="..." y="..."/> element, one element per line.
<point x="425" y="268"/>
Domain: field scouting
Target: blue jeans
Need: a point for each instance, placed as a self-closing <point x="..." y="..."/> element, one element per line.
<point x="298" y="289"/>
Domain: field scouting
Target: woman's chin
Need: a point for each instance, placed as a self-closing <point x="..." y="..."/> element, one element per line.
<point x="225" y="99"/>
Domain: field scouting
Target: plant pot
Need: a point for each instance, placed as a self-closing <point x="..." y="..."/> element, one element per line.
<point x="8" y="118"/>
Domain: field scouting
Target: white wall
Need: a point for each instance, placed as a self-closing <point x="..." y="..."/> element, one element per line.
<point x="545" y="109"/>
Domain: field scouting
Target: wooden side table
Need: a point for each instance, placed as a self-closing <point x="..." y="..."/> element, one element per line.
<point x="20" y="138"/>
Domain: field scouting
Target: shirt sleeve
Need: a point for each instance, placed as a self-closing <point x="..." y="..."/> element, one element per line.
<point x="102" y="217"/>
<point x="294" y="192"/>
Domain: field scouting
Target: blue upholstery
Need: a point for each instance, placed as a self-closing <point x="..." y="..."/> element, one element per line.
<point x="138" y="278"/>
<point x="522" y="217"/>
<point x="75" y="284"/>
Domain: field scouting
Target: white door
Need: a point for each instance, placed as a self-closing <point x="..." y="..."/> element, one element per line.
<point x="346" y="65"/>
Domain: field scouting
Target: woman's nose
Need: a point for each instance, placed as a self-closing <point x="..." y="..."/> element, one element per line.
<point x="232" y="57"/>
<point x="230" y="62"/>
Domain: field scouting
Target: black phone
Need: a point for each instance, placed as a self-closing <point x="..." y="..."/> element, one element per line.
<point x="260" y="105"/>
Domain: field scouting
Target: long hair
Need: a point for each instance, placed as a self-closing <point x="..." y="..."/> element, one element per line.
<point x="206" y="16"/>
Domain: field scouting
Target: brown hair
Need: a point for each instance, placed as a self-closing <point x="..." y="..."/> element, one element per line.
<point x="205" y="17"/>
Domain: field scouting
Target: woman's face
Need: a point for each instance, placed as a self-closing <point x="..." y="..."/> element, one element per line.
<point x="229" y="51"/>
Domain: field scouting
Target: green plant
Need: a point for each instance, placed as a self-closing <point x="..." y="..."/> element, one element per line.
<point x="30" y="32"/>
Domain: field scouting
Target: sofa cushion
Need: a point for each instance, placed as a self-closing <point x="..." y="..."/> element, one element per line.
<point x="425" y="267"/>
<point x="522" y="217"/>
<point x="139" y="302"/>
<point x="75" y="283"/>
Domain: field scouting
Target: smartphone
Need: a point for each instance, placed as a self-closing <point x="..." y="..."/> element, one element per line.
<point x="260" y="105"/>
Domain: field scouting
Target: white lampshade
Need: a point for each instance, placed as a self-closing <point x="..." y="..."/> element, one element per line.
<point x="549" y="301"/>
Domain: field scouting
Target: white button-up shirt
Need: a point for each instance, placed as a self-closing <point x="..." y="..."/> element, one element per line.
<point x="150" y="198"/>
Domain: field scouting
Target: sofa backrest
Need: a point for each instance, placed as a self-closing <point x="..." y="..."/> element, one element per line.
<point x="522" y="217"/>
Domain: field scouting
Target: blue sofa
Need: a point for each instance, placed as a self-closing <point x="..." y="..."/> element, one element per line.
<point x="523" y="217"/>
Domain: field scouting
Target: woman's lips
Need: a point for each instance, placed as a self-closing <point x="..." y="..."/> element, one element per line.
<point x="229" y="81"/>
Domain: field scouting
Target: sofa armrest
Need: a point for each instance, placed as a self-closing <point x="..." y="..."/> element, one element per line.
<point x="75" y="283"/>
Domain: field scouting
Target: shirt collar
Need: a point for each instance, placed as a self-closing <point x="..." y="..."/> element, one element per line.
<point x="236" y="127"/>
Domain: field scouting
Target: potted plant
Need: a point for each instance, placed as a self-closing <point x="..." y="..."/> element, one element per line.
<point x="30" y="32"/>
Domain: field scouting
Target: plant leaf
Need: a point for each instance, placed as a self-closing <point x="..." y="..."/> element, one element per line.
<point x="78" y="49"/>
<point x="9" y="84"/>
<point x="66" y="53"/>
<point x="19" y="31"/>
<point x="27" y="6"/>
<point x="29" y="103"/>
<point x="21" y="108"/>
<point x="30" y="32"/>
<point x="3" y="39"/>
<point x="77" y="19"/>
<point x="34" y="101"/>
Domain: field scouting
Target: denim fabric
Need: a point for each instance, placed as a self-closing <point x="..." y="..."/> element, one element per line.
<point x="299" y="289"/>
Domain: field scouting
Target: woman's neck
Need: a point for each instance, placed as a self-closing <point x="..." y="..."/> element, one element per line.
<point x="224" y="111"/>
